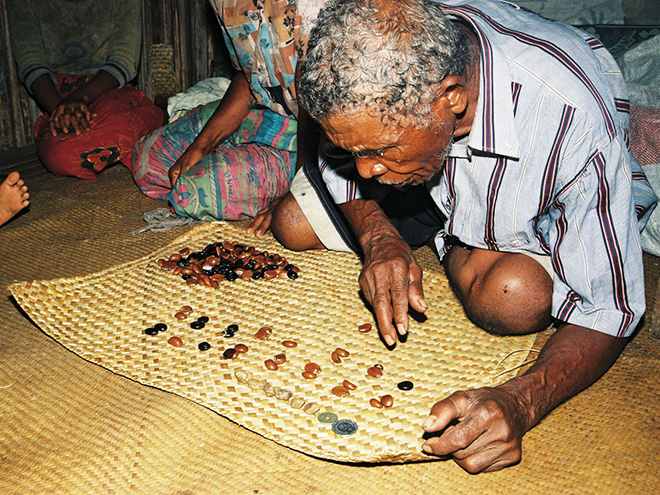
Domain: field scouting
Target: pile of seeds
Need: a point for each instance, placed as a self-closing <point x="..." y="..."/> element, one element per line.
<point x="227" y="261"/>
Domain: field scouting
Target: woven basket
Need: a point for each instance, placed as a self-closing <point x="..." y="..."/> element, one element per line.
<point x="102" y="318"/>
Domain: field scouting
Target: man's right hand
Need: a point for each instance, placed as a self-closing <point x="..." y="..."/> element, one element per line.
<point x="391" y="279"/>
<point x="186" y="161"/>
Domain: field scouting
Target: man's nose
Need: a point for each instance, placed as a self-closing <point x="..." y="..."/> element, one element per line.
<point x="370" y="166"/>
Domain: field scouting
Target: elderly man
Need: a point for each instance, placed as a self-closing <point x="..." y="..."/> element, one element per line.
<point x="504" y="135"/>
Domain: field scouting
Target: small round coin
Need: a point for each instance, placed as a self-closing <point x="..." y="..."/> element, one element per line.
<point x="327" y="417"/>
<point x="344" y="427"/>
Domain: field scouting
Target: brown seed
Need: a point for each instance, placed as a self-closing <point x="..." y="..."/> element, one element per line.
<point x="177" y="270"/>
<point x="266" y="330"/>
<point x="280" y="359"/>
<point x="229" y="353"/>
<point x="191" y="281"/>
<point x="349" y="385"/>
<point x="309" y="375"/>
<point x="335" y="357"/>
<point x="313" y="368"/>
<point x="341" y="352"/>
<point x="270" y="274"/>
<point x="379" y="366"/>
<point x="175" y="341"/>
<point x="186" y="309"/>
<point x="387" y="400"/>
<point x="364" y="328"/>
<point x="185" y="251"/>
<point x="242" y="348"/>
<point x="270" y="364"/>
<point x="376" y="403"/>
<point x="289" y="343"/>
<point x="261" y="334"/>
<point x="175" y="257"/>
<point x="180" y="316"/>
<point x="375" y="372"/>
<point x="340" y="391"/>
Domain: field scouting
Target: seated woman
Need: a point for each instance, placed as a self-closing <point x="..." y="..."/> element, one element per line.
<point x="76" y="58"/>
<point x="232" y="158"/>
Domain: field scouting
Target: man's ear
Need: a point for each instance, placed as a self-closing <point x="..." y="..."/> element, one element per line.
<point x="453" y="94"/>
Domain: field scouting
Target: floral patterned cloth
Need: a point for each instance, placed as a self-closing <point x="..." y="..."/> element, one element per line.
<point x="242" y="175"/>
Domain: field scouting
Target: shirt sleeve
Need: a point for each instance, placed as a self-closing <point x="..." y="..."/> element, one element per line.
<point x="126" y="40"/>
<point x="26" y="41"/>
<point x="593" y="233"/>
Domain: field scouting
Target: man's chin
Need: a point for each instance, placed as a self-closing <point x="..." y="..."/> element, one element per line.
<point x="410" y="181"/>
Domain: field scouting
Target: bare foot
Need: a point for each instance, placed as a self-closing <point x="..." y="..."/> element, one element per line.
<point x="14" y="197"/>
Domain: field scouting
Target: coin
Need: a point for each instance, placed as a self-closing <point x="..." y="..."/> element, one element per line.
<point x="327" y="417"/>
<point x="344" y="427"/>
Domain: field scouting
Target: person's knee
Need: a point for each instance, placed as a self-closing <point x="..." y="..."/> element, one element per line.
<point x="291" y="228"/>
<point x="504" y="293"/>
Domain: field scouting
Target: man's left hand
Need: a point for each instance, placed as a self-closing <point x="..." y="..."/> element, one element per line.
<point x="483" y="429"/>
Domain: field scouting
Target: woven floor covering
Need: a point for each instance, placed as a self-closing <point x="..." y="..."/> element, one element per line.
<point x="68" y="425"/>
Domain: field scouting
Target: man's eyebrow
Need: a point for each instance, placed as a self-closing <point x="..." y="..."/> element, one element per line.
<point x="368" y="152"/>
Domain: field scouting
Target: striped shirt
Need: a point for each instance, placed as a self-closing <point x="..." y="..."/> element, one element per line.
<point x="546" y="167"/>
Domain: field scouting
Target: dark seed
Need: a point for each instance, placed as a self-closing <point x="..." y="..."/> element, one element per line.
<point x="204" y="346"/>
<point x="203" y="319"/>
<point x="232" y="328"/>
<point x="161" y="327"/>
<point x="229" y="353"/>
<point x="405" y="385"/>
<point x="151" y="331"/>
<point x="197" y="325"/>
<point x="292" y="275"/>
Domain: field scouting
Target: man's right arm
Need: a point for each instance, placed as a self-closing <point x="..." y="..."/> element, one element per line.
<point x="391" y="279"/>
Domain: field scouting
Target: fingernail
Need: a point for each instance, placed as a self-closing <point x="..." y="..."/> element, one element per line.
<point x="427" y="449"/>
<point x="423" y="303"/>
<point x="401" y="329"/>
<point x="389" y="339"/>
<point x="429" y="421"/>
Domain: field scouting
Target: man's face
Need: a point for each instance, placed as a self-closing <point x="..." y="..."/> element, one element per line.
<point x="392" y="154"/>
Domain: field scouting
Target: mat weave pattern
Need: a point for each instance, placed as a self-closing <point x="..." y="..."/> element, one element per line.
<point x="102" y="318"/>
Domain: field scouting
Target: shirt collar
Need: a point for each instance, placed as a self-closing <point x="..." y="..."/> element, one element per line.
<point x="493" y="130"/>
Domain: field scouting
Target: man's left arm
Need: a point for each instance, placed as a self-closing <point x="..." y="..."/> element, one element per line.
<point x="482" y="429"/>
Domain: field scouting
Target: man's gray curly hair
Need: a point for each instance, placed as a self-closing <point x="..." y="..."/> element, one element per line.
<point x="387" y="57"/>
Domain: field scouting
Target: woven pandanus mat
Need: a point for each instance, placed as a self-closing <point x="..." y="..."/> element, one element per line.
<point x="102" y="318"/>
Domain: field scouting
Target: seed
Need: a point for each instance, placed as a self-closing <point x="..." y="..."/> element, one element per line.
<point x="204" y="346"/>
<point x="186" y="309"/>
<point x="387" y="400"/>
<point x="349" y="385"/>
<point x="280" y="359"/>
<point x="180" y="316"/>
<point x="341" y="352"/>
<point x="340" y="391"/>
<point x="297" y="402"/>
<point x="313" y="368"/>
<point x="185" y="251"/>
<point x="241" y="348"/>
<point x="261" y="335"/>
<point x="405" y="385"/>
<point x="229" y="353"/>
<point x="270" y="364"/>
<point x="161" y="327"/>
<point x="375" y="372"/>
<point x="379" y="366"/>
<point x="256" y="384"/>
<point x="196" y="325"/>
<point x="233" y="328"/>
<point x="203" y="319"/>
<point x="151" y="331"/>
<point x="376" y="403"/>
<point x="289" y="343"/>
<point x="335" y="357"/>
<point x="243" y="376"/>
<point x="311" y="408"/>
<point x="269" y="390"/>
<point x="309" y="375"/>
<point x="175" y="341"/>
<point x="364" y="328"/>
<point x="283" y="394"/>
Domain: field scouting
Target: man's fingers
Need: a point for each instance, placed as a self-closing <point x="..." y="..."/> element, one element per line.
<point x="416" y="290"/>
<point x="453" y="408"/>
<point x="382" y="305"/>
<point x="399" y="295"/>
